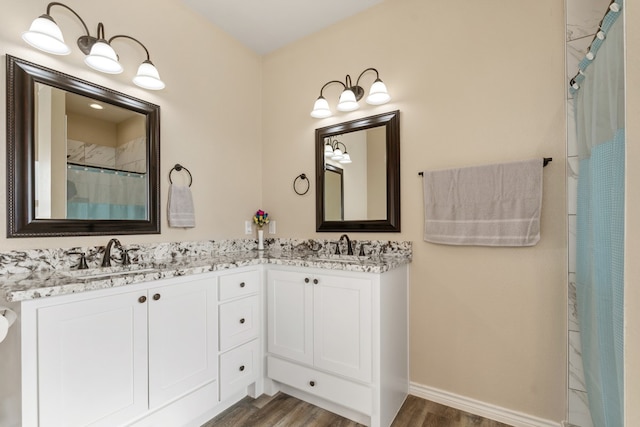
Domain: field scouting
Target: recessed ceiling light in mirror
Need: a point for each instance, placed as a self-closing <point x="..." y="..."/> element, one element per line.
<point x="96" y="106"/>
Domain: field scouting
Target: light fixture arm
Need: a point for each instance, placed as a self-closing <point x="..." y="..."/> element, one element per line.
<point x="55" y="3"/>
<point x="330" y="82"/>
<point x="362" y="73"/>
<point x="336" y="142"/>
<point x="84" y="42"/>
<point x="135" y="40"/>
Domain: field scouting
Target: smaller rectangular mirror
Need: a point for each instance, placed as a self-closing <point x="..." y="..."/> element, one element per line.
<point x="360" y="192"/>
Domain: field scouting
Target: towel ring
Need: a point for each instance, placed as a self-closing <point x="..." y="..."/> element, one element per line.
<point x="303" y="177"/>
<point x="178" y="167"/>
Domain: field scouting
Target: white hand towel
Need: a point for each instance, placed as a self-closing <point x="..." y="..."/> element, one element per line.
<point x="180" y="211"/>
<point x="492" y="205"/>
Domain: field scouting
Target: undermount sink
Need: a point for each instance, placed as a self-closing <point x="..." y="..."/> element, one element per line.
<point x="104" y="273"/>
<point x="346" y="259"/>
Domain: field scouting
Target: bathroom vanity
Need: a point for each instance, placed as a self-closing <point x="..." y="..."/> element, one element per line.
<point x="339" y="340"/>
<point x="181" y="341"/>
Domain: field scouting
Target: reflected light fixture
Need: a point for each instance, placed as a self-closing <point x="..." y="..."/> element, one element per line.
<point x="332" y="151"/>
<point x="44" y="34"/>
<point x="351" y="94"/>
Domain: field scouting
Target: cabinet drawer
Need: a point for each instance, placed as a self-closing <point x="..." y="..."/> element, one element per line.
<point x="238" y="284"/>
<point x="346" y="393"/>
<point x="238" y="368"/>
<point x="239" y="322"/>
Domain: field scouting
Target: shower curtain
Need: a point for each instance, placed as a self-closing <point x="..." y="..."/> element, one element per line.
<point x="599" y="104"/>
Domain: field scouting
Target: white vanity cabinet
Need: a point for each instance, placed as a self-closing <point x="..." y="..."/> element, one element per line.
<point x="340" y="339"/>
<point x="240" y="328"/>
<point x="105" y="358"/>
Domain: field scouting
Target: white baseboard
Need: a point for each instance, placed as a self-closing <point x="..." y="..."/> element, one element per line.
<point x="486" y="410"/>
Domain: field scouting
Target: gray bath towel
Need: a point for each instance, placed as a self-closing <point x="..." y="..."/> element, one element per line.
<point x="180" y="211"/>
<point x="492" y="205"/>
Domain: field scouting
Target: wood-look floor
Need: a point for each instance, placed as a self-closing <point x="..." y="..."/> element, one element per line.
<point x="283" y="410"/>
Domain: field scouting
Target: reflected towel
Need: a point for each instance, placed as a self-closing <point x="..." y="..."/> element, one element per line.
<point x="180" y="207"/>
<point x="492" y="205"/>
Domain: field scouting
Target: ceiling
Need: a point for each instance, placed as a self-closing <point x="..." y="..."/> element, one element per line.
<point x="266" y="25"/>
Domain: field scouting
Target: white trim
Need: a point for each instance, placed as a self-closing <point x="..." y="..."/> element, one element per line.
<point x="476" y="407"/>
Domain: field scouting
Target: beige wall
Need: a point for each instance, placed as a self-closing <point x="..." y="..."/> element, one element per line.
<point x="91" y="130"/>
<point x="477" y="83"/>
<point x="632" y="245"/>
<point x="376" y="178"/>
<point x="210" y="109"/>
<point x="131" y="129"/>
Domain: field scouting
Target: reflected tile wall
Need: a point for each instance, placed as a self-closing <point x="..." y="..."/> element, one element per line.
<point x="99" y="155"/>
<point x="583" y="20"/>
<point x="131" y="156"/>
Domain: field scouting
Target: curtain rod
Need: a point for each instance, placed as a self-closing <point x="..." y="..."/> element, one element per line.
<point x="545" y="162"/>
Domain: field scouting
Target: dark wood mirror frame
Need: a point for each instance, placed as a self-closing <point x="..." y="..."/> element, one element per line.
<point x="391" y="121"/>
<point x="21" y="220"/>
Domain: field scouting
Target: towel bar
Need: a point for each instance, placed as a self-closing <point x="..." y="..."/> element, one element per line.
<point x="545" y="162"/>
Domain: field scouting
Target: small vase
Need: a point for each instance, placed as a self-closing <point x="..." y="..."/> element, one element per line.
<point x="260" y="239"/>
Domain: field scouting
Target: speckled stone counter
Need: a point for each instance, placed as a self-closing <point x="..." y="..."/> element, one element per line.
<point x="44" y="273"/>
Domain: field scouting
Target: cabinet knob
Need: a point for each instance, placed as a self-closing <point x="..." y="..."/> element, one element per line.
<point x="142" y="299"/>
<point x="242" y="320"/>
<point x="306" y="280"/>
<point x="242" y="284"/>
<point x="315" y="281"/>
<point x="312" y="383"/>
<point x="241" y="368"/>
<point x="156" y="297"/>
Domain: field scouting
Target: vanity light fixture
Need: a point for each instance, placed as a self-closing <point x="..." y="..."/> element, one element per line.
<point x="44" y="34"/>
<point x="332" y="151"/>
<point x="350" y="96"/>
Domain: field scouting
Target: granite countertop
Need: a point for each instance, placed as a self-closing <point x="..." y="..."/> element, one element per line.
<point x="39" y="284"/>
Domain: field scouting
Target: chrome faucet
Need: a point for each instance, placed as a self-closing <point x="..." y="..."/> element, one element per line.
<point x="349" y="249"/>
<point x="106" y="260"/>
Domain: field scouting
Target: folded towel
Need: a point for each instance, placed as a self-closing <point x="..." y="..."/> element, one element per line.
<point x="492" y="205"/>
<point x="180" y="207"/>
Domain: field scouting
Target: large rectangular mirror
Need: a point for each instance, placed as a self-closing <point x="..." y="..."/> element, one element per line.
<point x="82" y="159"/>
<point x="358" y="175"/>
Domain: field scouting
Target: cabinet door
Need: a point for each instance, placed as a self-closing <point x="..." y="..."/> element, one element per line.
<point x="289" y="315"/>
<point x="342" y="326"/>
<point x="92" y="361"/>
<point x="182" y="339"/>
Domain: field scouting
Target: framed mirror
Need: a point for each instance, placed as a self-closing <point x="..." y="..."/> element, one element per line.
<point x="358" y="175"/>
<point x="81" y="159"/>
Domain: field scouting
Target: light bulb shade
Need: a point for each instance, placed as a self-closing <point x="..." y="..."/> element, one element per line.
<point x="44" y="34"/>
<point x="346" y="158"/>
<point x="148" y="77"/>
<point x="328" y="150"/>
<point x="337" y="154"/>
<point x="321" y="108"/>
<point x="378" y="94"/>
<point x="103" y="58"/>
<point x="347" y="101"/>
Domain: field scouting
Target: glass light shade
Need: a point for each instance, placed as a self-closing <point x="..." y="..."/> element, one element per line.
<point x="346" y="158"/>
<point x="347" y="101"/>
<point x="378" y="94"/>
<point x="321" y="108"/>
<point x="148" y="77"/>
<point x="103" y="58"/>
<point x="44" y="34"/>
<point x="328" y="150"/>
<point x="337" y="154"/>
